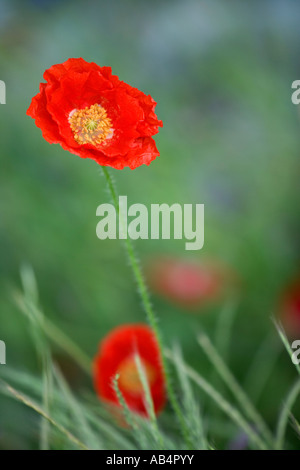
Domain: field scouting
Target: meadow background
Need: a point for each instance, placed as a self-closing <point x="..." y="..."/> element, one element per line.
<point x="221" y="73"/>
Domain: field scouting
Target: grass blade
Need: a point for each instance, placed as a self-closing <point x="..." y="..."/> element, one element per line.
<point x="234" y="386"/>
<point x="284" y="415"/>
<point x="191" y="408"/>
<point x="76" y="409"/>
<point x="28" y="402"/>
<point x="53" y="332"/>
<point x="261" y="367"/>
<point x="223" y="404"/>
<point x="149" y="402"/>
<point x="286" y="343"/>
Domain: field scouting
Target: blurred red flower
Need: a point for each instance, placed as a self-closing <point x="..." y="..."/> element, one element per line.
<point x="184" y="282"/>
<point x="93" y="114"/>
<point x="290" y="307"/>
<point x="117" y="356"/>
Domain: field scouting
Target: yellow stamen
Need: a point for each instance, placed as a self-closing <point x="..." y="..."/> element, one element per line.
<point x="90" y="125"/>
<point x="129" y="376"/>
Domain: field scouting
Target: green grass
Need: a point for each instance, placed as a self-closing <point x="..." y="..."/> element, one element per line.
<point x="71" y="420"/>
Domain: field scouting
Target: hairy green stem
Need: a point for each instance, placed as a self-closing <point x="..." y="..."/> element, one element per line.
<point x="152" y="320"/>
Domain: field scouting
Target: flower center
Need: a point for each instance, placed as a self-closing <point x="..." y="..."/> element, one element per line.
<point x="90" y="125"/>
<point x="129" y="376"/>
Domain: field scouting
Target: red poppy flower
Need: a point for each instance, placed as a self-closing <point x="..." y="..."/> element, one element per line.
<point x="186" y="283"/>
<point x="290" y="308"/>
<point x="117" y="356"/>
<point x="93" y="114"/>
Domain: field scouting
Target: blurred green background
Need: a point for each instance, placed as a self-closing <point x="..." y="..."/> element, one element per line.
<point x="221" y="73"/>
